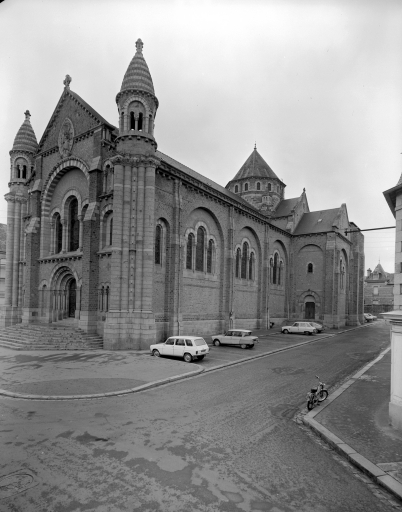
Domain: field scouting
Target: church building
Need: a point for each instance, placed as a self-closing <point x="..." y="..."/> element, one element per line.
<point x="105" y="229"/>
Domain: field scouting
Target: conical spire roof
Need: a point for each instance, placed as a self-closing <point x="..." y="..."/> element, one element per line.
<point x="255" y="166"/>
<point x="137" y="75"/>
<point x="25" y="140"/>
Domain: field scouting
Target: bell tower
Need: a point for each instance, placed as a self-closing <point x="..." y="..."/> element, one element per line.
<point x="22" y="157"/>
<point x="130" y="322"/>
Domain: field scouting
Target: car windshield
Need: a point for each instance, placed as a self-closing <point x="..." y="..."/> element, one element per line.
<point x="199" y="341"/>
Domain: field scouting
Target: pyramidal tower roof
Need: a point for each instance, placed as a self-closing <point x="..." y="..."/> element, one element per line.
<point x="137" y="75"/>
<point x="255" y="166"/>
<point x="25" y="140"/>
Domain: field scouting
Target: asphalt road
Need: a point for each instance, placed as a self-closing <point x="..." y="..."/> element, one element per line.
<point x="223" y="441"/>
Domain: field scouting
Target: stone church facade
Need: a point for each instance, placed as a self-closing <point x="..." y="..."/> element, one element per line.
<point x="105" y="229"/>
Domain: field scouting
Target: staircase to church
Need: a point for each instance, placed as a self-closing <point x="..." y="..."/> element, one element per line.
<point x="48" y="337"/>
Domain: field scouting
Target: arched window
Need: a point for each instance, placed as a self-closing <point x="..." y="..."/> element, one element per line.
<point x="24" y="172"/>
<point x="236" y="189"/>
<point x="269" y="187"/>
<point x="102" y="298"/>
<point x="132" y="121"/>
<point x="258" y="186"/>
<point x="199" y="251"/>
<point x="158" y="245"/>
<point x="210" y="253"/>
<point x="74" y="225"/>
<point x="107" y="299"/>
<point x="280" y="273"/>
<point x="271" y="269"/>
<point x="238" y="262"/>
<point x="310" y="268"/>
<point x="58" y="234"/>
<point x="189" y="256"/>
<point x="140" y="121"/>
<point x="244" y="261"/>
<point x="342" y="274"/>
<point x="251" y="267"/>
<point x="111" y="231"/>
<point x="246" y="187"/>
<point x="275" y="269"/>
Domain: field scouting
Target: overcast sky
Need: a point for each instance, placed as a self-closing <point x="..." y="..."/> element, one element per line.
<point x="316" y="84"/>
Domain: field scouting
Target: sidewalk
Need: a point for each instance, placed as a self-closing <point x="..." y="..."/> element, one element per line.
<point x="354" y="421"/>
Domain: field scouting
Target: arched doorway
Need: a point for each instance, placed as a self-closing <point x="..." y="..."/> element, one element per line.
<point x="309" y="307"/>
<point x="72" y="298"/>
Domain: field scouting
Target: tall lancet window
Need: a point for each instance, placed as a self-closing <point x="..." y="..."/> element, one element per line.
<point x="59" y="234"/>
<point x="132" y="121"/>
<point x="74" y="225"/>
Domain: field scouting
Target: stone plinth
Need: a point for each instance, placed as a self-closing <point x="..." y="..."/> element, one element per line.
<point x="395" y="404"/>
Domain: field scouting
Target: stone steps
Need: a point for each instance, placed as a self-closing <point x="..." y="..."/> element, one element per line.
<point x="48" y="337"/>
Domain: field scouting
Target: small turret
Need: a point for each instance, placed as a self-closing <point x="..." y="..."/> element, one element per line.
<point x="23" y="151"/>
<point x="137" y="105"/>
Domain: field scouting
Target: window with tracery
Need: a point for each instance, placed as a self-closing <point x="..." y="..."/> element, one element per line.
<point x="199" y="250"/>
<point x="189" y="255"/>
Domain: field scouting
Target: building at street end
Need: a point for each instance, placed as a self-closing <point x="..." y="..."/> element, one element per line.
<point x="106" y="229"/>
<point x="378" y="291"/>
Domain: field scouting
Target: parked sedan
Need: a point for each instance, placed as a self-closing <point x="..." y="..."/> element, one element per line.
<point x="300" y="328"/>
<point x="369" y="317"/>
<point x="319" y="327"/>
<point x="187" y="347"/>
<point x="241" y="337"/>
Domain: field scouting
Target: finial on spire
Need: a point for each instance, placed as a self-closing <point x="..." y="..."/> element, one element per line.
<point x="27" y="114"/>
<point x="67" y="81"/>
<point x="304" y="190"/>
<point x="255" y="145"/>
<point x="139" y="44"/>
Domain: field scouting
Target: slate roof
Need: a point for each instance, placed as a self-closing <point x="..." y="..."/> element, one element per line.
<point x="137" y="75"/>
<point x="203" y="179"/>
<point x="255" y="166"/>
<point x="25" y="140"/>
<point x="316" y="222"/>
<point x="285" y="207"/>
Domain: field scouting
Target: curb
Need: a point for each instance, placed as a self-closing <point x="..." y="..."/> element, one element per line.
<point x="369" y="468"/>
<point x="150" y="385"/>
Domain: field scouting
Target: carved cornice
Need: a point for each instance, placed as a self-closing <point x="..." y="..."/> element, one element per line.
<point x="135" y="161"/>
<point x="12" y="198"/>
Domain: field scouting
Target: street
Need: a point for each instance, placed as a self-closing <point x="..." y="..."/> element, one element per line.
<point x="225" y="440"/>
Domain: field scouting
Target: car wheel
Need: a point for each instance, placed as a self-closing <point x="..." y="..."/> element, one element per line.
<point x="200" y="358"/>
<point x="285" y="331"/>
<point x="243" y="345"/>
<point x="188" y="357"/>
<point x="156" y="353"/>
<point x="251" y="346"/>
<point x="217" y="343"/>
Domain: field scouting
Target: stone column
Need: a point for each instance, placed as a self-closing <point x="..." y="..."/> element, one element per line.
<point x="175" y="264"/>
<point x="81" y="232"/>
<point x="9" y="249"/>
<point x="16" y="252"/>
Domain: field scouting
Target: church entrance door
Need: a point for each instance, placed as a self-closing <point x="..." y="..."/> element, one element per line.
<point x="310" y="311"/>
<point x="72" y="298"/>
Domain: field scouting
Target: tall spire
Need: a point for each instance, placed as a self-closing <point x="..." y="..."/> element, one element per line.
<point x="25" y="140"/>
<point x="137" y="75"/>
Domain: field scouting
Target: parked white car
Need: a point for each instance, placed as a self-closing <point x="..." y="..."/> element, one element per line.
<point x="299" y="328"/>
<point x="369" y="317"/>
<point x="241" y="337"/>
<point x="187" y="347"/>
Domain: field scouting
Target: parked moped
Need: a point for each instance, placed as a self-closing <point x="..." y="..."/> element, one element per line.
<point x="316" y="395"/>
